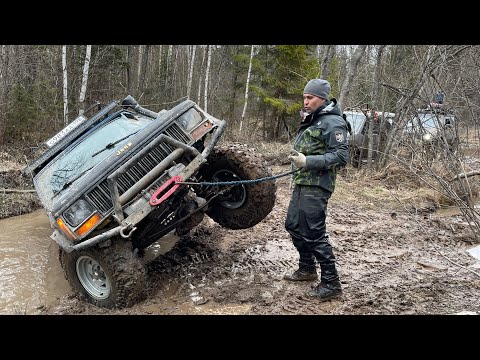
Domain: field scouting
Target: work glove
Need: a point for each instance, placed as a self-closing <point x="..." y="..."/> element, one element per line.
<point x="299" y="160"/>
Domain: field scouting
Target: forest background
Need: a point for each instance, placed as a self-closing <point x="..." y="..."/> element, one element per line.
<point x="257" y="89"/>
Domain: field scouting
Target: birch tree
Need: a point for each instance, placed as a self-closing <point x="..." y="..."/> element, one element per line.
<point x="65" y="97"/>
<point x="143" y="70"/>
<point x="3" y="72"/>
<point x="200" y="78"/>
<point x="190" y="72"/>
<point x="139" y="67"/>
<point x="129" y="69"/>
<point x="2" y="65"/>
<point x="375" y="98"/>
<point x="83" y="89"/>
<point x="159" y="60"/>
<point x="351" y="71"/>
<point x="3" y="82"/>
<point x="246" y="90"/>
<point x="168" y="65"/>
<point x="234" y="86"/>
<point x="207" y="74"/>
<point x="174" y="71"/>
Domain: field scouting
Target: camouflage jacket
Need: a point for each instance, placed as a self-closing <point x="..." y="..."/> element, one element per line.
<point x="322" y="138"/>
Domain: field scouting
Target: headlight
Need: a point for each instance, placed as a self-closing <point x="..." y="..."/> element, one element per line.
<point x="427" y="137"/>
<point x="78" y="212"/>
<point x="190" y="119"/>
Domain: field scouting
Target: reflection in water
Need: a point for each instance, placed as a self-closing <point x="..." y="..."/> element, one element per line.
<point x="30" y="274"/>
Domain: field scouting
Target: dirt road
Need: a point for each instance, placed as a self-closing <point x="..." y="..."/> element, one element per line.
<point x="390" y="262"/>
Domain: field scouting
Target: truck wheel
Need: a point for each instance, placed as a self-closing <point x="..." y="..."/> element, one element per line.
<point x="111" y="277"/>
<point x="244" y="205"/>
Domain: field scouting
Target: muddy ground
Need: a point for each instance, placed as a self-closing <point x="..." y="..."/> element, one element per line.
<point x="392" y="259"/>
<point x="396" y="251"/>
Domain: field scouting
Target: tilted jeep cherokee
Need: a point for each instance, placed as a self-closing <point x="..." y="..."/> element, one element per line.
<point x="118" y="181"/>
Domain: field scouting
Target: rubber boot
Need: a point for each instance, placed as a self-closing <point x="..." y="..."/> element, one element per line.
<point x="326" y="291"/>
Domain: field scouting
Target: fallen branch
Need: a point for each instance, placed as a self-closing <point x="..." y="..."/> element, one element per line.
<point x="432" y="241"/>
<point x="7" y="191"/>
<point x="465" y="175"/>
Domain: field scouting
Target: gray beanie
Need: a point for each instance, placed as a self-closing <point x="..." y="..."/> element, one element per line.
<point x="318" y="87"/>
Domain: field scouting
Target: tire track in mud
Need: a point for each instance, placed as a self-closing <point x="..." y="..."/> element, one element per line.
<point x="381" y="269"/>
<point x="252" y="274"/>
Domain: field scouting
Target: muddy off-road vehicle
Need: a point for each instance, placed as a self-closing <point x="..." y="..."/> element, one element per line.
<point x="357" y="139"/>
<point x="433" y="128"/>
<point x="115" y="183"/>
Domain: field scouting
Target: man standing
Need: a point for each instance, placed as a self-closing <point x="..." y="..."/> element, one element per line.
<point x="319" y="148"/>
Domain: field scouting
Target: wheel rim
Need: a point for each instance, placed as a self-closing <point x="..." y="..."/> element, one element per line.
<point x="93" y="278"/>
<point x="235" y="197"/>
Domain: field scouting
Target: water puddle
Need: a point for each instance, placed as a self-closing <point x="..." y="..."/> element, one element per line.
<point x="30" y="274"/>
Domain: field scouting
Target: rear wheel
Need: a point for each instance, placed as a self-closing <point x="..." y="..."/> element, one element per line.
<point x="112" y="277"/>
<point x="244" y="205"/>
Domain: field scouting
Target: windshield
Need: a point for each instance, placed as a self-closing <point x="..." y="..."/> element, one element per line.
<point x="428" y="122"/>
<point x="356" y="120"/>
<point x="76" y="161"/>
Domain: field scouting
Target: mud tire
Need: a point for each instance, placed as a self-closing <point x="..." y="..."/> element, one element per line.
<point x="123" y="268"/>
<point x="259" y="198"/>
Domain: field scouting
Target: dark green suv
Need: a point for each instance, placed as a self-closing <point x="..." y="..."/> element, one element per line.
<point x="114" y="183"/>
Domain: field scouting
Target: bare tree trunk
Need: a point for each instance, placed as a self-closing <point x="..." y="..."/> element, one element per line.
<point x="264" y="123"/>
<point x="129" y="69"/>
<point x="352" y="69"/>
<point x="147" y="75"/>
<point x="218" y="73"/>
<point x="65" y="93"/>
<point x="174" y="72"/>
<point x="317" y="50"/>
<point x="139" y="68"/>
<point x="200" y="78"/>
<point x="3" y="72"/>
<point x="246" y="91"/>
<point x="375" y="97"/>
<point x="83" y="90"/>
<point x="329" y="52"/>
<point x="234" y="92"/>
<point x="405" y="101"/>
<point x="3" y="86"/>
<point x="169" y="62"/>
<point x="159" y="61"/>
<point x="142" y="70"/>
<point x="207" y="73"/>
<point x="190" y="72"/>
<point x="2" y="67"/>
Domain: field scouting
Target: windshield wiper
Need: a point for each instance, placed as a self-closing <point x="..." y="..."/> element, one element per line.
<point x="70" y="182"/>
<point x="112" y="144"/>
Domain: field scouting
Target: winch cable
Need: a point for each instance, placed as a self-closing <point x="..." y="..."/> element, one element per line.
<point x="239" y="182"/>
<point x="231" y="183"/>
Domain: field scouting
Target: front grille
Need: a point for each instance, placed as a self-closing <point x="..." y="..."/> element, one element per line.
<point x="100" y="195"/>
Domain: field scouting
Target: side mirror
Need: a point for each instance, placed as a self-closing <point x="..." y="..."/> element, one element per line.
<point x="129" y="101"/>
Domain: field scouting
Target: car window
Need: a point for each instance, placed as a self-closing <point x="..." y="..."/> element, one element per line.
<point x="74" y="162"/>
<point x="356" y="120"/>
<point x="428" y="121"/>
